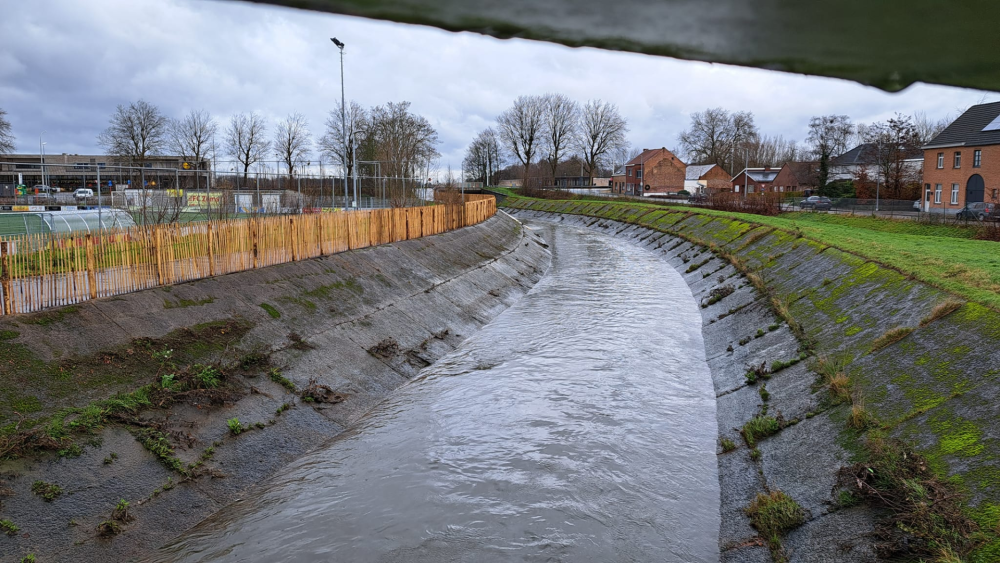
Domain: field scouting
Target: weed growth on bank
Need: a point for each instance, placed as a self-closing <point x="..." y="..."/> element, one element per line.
<point x="773" y="515"/>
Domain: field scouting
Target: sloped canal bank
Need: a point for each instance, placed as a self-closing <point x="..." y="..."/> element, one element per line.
<point x="578" y="426"/>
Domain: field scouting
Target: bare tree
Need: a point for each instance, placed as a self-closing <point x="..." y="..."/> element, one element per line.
<point x="6" y="137"/>
<point x="600" y="135"/>
<point x="719" y="137"/>
<point x="896" y="141"/>
<point x="484" y="157"/>
<point x="521" y="128"/>
<point x="829" y="135"/>
<point x="191" y="138"/>
<point x="246" y="140"/>
<point x="561" y="115"/>
<point x="135" y="132"/>
<point x="765" y="151"/>
<point x="927" y="128"/>
<point x="404" y="143"/>
<point x="332" y="142"/>
<point x="292" y="140"/>
<point x="707" y="140"/>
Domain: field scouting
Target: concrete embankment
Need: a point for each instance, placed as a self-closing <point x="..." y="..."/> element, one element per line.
<point x="919" y="361"/>
<point x="242" y="374"/>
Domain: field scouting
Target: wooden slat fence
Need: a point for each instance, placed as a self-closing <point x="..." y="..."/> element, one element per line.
<point x="40" y="271"/>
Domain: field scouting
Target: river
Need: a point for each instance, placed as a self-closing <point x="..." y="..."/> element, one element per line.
<point x="578" y="426"/>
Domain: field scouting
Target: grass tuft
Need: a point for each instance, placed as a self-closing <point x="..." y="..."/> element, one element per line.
<point x="760" y="426"/>
<point x="940" y="311"/>
<point x="48" y="491"/>
<point x="889" y="337"/>
<point x="773" y="514"/>
<point x="727" y="445"/>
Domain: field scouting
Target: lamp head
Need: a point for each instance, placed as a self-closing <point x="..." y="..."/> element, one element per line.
<point x="339" y="44"/>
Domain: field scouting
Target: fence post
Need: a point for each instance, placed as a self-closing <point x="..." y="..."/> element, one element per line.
<point x="294" y="236"/>
<point x="211" y="251"/>
<point x="159" y="258"/>
<point x="5" y="278"/>
<point x="254" y="225"/>
<point x="91" y="266"/>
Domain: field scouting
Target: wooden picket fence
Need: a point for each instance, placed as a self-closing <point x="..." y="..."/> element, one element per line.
<point x="55" y="269"/>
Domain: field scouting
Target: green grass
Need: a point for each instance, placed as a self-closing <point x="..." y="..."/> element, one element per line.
<point x="760" y="426"/>
<point x="271" y="310"/>
<point x="773" y="515"/>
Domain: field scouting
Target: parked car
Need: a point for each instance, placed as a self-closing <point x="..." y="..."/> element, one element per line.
<point x="816" y="202"/>
<point x="979" y="211"/>
<point x="83" y="193"/>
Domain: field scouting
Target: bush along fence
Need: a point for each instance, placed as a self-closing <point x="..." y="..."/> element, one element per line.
<point x="51" y="270"/>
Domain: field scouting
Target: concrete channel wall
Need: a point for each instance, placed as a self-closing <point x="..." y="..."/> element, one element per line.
<point x="934" y="388"/>
<point x="361" y="323"/>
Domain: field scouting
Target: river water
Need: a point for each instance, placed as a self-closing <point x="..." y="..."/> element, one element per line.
<point x="578" y="426"/>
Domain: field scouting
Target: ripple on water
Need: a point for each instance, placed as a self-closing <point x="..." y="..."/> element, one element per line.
<point x="578" y="426"/>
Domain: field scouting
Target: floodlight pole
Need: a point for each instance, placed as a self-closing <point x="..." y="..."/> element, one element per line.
<point x="343" y="112"/>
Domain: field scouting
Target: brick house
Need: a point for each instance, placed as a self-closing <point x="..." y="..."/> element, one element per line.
<point x="707" y="179"/>
<point x="618" y="180"/>
<point x="797" y="177"/>
<point x="756" y="180"/>
<point x="654" y="171"/>
<point x="962" y="164"/>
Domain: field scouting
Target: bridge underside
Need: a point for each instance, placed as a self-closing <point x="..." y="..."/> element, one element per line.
<point x="889" y="44"/>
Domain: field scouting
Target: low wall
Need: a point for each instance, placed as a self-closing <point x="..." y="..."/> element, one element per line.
<point x="352" y="326"/>
<point x="932" y="388"/>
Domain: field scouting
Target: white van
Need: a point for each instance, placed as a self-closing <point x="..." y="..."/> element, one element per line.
<point x="83" y="193"/>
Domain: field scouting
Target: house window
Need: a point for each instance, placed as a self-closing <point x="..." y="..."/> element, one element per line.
<point x="958" y="159"/>
<point x="638" y="173"/>
<point x="937" y="193"/>
<point x="954" y="194"/>
<point x="977" y="158"/>
<point x="940" y="160"/>
<point x="994" y="198"/>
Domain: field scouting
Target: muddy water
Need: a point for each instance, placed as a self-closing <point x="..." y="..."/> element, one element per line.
<point x="578" y="426"/>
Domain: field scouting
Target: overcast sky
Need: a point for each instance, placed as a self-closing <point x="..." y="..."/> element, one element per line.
<point x="66" y="64"/>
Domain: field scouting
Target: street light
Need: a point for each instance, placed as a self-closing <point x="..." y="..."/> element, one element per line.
<point x="41" y="149"/>
<point x="343" y="112"/>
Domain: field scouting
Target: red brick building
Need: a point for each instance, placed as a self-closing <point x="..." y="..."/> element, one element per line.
<point x="654" y="171"/>
<point x="797" y="177"/>
<point x="755" y="180"/>
<point x="707" y="179"/>
<point x="962" y="164"/>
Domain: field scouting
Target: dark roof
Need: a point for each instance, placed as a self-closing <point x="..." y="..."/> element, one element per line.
<point x="968" y="128"/>
<point x="648" y="154"/>
<point x="806" y="173"/>
<point x="865" y="153"/>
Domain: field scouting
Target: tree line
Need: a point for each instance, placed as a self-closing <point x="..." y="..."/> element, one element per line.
<point x="547" y="128"/>
<point x="401" y="141"/>
<point x="733" y="141"/>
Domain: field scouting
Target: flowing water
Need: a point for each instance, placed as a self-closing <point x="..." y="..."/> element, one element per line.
<point x="578" y="426"/>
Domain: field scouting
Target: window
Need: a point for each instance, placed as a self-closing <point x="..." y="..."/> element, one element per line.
<point x="638" y="173"/>
<point x="958" y="159"/>
<point x="994" y="194"/>
<point x="977" y="158"/>
<point x="937" y="193"/>
<point x="940" y="160"/>
<point x="954" y="194"/>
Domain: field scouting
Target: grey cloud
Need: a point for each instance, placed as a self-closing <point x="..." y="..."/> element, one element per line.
<point x="65" y="65"/>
